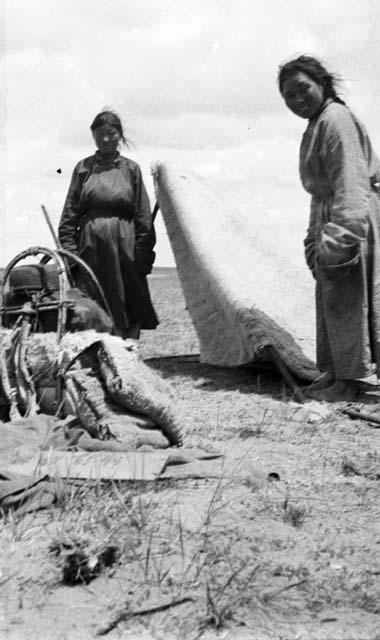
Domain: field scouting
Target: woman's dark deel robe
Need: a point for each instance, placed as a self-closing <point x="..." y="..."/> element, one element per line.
<point x="339" y="168"/>
<point x="106" y="221"/>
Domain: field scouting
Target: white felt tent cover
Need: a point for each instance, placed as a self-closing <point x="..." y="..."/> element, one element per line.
<point x="241" y="295"/>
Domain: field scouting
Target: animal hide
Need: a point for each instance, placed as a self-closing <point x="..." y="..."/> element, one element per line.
<point x="241" y="297"/>
<point x="134" y="385"/>
<point x="87" y="398"/>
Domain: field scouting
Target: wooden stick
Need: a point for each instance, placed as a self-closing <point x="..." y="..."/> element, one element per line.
<point x="283" y="369"/>
<point x="57" y="244"/>
<point x="124" y="615"/>
<point x="52" y="230"/>
<point x="289" y="586"/>
<point x="155" y="211"/>
<point x="358" y="415"/>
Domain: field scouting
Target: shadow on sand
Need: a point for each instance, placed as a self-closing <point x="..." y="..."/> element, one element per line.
<point x="261" y="379"/>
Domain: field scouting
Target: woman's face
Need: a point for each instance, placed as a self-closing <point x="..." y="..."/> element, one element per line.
<point x="302" y="95"/>
<point x="107" y="139"/>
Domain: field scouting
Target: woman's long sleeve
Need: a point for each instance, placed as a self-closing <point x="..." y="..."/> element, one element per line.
<point x="310" y="240"/>
<point x="68" y="228"/>
<point x="347" y="171"/>
<point x="145" y="238"/>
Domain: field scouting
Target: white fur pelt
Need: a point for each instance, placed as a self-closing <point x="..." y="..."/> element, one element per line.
<point x="241" y="297"/>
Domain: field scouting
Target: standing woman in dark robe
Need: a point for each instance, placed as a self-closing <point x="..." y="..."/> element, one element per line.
<point x="106" y="221"/>
<point x="340" y="170"/>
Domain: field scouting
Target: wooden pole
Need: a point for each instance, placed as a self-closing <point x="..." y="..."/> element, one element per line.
<point x="58" y="245"/>
<point x="52" y="230"/>
<point x="155" y="211"/>
<point x="283" y="369"/>
<point x="359" y="415"/>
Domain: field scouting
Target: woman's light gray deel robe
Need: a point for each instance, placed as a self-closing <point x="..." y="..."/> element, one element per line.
<point x="339" y="169"/>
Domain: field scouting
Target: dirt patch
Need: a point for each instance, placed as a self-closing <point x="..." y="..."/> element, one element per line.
<point x="288" y="549"/>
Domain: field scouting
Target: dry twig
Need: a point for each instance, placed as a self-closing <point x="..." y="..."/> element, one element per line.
<point x="124" y="615"/>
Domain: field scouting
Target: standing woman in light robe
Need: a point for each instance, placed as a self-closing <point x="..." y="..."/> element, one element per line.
<point x="341" y="172"/>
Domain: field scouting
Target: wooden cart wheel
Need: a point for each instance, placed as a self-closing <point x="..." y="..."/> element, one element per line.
<point x="58" y="256"/>
<point x="63" y="284"/>
<point x="64" y="302"/>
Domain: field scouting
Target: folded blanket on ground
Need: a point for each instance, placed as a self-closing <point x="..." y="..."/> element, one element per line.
<point x="241" y="296"/>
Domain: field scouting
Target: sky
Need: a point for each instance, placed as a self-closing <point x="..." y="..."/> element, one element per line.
<point x="194" y="82"/>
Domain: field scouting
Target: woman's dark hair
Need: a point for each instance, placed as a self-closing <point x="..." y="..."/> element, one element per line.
<point x="112" y="119"/>
<point x="315" y="70"/>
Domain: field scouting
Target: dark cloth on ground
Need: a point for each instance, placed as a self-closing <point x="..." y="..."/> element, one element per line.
<point x="25" y="494"/>
<point x="35" y="451"/>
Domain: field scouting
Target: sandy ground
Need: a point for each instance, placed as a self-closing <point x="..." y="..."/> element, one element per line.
<point x="289" y="549"/>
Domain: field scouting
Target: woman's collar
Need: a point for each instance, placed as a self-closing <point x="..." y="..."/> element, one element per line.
<point x="321" y="109"/>
<point x="113" y="161"/>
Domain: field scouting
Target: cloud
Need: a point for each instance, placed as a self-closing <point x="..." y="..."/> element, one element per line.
<point x="193" y="82"/>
